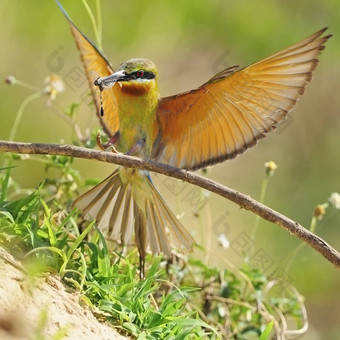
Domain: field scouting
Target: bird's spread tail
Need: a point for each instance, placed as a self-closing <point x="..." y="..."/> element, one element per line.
<point x="126" y="201"/>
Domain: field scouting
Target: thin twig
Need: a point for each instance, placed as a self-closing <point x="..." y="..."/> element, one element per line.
<point x="244" y="201"/>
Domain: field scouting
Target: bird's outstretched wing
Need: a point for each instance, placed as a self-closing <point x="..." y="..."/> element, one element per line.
<point x="233" y="110"/>
<point x="96" y="65"/>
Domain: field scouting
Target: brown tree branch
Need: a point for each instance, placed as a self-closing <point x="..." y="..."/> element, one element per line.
<point x="242" y="200"/>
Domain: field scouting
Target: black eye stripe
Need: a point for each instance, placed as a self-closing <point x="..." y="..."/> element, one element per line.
<point x="146" y="75"/>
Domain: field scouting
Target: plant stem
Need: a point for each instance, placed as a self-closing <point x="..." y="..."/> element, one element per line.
<point x="93" y="20"/>
<point x="20" y="113"/>
<point x="257" y="219"/>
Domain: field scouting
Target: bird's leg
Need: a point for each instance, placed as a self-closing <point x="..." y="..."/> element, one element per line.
<point x="137" y="147"/>
<point x="109" y="144"/>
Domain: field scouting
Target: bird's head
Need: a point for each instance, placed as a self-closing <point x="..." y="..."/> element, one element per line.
<point x="136" y="76"/>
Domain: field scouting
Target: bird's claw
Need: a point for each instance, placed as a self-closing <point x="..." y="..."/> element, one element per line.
<point x="107" y="146"/>
<point x="99" y="141"/>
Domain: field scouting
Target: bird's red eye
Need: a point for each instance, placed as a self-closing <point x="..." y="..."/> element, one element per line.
<point x="140" y="73"/>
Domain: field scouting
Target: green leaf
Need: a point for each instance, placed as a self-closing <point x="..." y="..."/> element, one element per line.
<point x="7" y="215"/>
<point x="5" y="181"/>
<point x="265" y="334"/>
<point x="132" y="328"/>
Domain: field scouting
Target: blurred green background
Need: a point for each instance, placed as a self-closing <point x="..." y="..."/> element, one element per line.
<point x="190" y="41"/>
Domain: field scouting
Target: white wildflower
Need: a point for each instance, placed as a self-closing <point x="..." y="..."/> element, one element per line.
<point x="223" y="241"/>
<point x="54" y="85"/>
<point x="334" y="200"/>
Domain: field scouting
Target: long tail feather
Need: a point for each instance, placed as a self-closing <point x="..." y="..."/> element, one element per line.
<point x="127" y="201"/>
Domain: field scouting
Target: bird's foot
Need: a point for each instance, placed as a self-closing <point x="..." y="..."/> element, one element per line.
<point x="136" y="148"/>
<point x="107" y="146"/>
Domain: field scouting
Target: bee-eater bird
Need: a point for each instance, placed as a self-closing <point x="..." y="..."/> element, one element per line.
<point x="212" y="123"/>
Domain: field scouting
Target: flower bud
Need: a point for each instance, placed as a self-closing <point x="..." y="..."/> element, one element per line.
<point x="319" y="211"/>
<point x="10" y="80"/>
<point x="270" y="168"/>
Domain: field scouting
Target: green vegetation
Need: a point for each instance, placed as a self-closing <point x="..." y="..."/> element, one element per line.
<point x="175" y="300"/>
